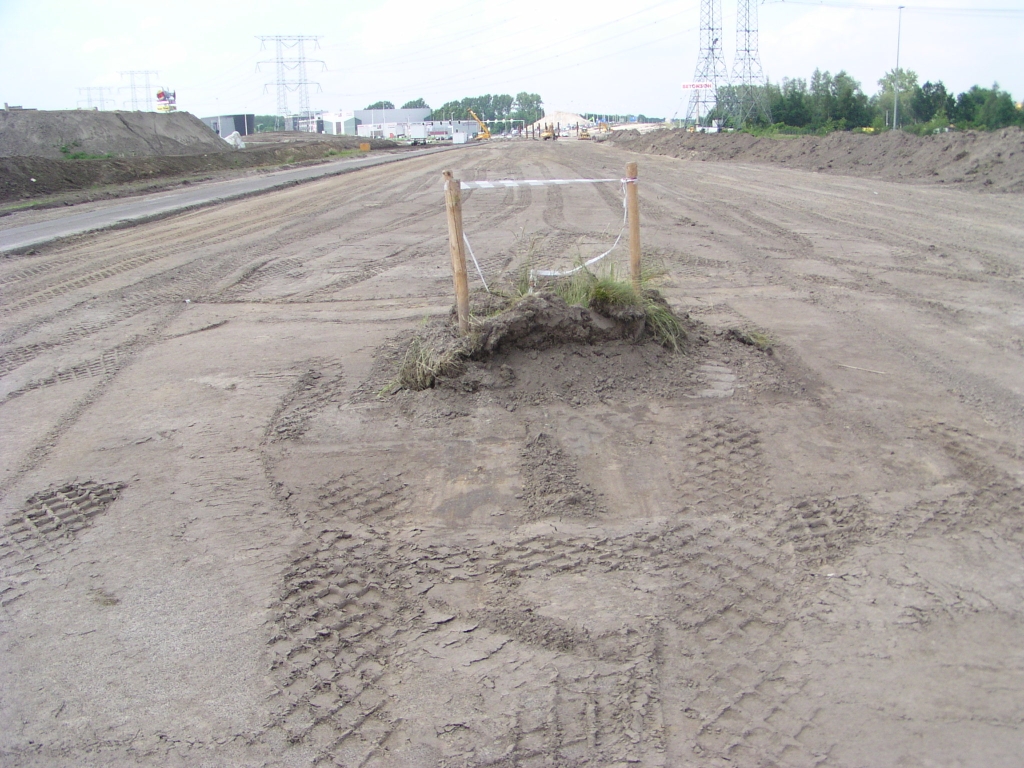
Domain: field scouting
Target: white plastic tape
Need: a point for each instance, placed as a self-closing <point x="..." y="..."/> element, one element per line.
<point x="504" y="184"/>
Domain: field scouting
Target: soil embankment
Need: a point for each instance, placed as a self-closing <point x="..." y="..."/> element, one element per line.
<point x="35" y="177"/>
<point x="53" y="134"/>
<point x="991" y="161"/>
<point x="38" y="151"/>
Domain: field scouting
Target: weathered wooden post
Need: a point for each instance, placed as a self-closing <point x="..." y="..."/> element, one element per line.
<point x="457" y="244"/>
<point x="633" y="213"/>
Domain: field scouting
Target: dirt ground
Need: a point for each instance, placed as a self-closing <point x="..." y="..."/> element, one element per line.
<point x="219" y="547"/>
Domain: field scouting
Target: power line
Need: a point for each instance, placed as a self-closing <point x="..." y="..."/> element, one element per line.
<point x="296" y="65"/>
<point x="146" y="88"/>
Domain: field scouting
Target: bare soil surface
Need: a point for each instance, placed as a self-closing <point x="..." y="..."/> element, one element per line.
<point x="218" y="546"/>
<point x="993" y="161"/>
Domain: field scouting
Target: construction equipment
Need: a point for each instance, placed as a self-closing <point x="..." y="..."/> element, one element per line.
<point x="548" y="132"/>
<point x="485" y="132"/>
<point x="584" y="134"/>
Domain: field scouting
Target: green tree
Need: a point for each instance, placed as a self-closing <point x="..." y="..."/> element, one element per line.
<point x="789" y="104"/>
<point x="996" y="109"/>
<point x="382" y="105"/>
<point x="930" y="100"/>
<point x="450" y="110"/>
<point x="528" y="107"/>
<point x="414" y="104"/>
<point x="906" y="80"/>
<point x="820" y="98"/>
<point x="850" y="104"/>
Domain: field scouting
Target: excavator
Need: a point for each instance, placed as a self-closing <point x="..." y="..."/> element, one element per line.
<point x="485" y="132"/>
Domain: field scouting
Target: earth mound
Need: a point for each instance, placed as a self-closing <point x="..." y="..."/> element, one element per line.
<point x="23" y="178"/>
<point x="522" y="346"/>
<point x="59" y="133"/>
<point x="543" y="350"/>
<point x="991" y="161"/>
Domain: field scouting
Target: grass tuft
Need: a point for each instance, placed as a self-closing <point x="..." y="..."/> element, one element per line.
<point x="421" y="367"/>
<point x="663" y="325"/>
<point x="585" y="289"/>
<point x="756" y="339"/>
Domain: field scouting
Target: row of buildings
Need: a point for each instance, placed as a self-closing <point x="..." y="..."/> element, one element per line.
<point x="368" y="123"/>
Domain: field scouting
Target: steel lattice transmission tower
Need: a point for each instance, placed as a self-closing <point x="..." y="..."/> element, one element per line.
<point x="146" y="89"/>
<point x="290" y="62"/>
<point x="711" y="69"/>
<point x="748" y="78"/>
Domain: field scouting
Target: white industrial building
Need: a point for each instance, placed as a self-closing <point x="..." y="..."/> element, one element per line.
<point x="398" y="124"/>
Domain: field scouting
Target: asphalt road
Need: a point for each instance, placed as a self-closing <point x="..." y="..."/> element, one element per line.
<point x="138" y="209"/>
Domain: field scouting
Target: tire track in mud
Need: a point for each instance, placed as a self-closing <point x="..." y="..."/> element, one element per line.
<point x="232" y="232"/>
<point x="43" y="529"/>
<point x="365" y="605"/>
<point x="38" y="453"/>
<point x="356" y="612"/>
<point x="365" y="592"/>
<point x="993" y="400"/>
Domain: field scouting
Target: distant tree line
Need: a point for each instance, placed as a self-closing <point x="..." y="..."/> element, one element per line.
<point x="503" y="107"/>
<point x="500" y="106"/>
<point x="836" y="102"/>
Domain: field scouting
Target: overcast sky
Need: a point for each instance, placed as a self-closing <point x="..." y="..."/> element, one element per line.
<point x="599" y="55"/>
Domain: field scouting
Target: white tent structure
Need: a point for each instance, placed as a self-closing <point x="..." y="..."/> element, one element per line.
<point x="563" y="119"/>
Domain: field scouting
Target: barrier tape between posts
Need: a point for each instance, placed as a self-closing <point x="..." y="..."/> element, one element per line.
<point x="534" y="273"/>
<point x="505" y="183"/>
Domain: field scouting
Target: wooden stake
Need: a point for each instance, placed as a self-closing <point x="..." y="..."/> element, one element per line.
<point x="457" y="244"/>
<point x="633" y="213"/>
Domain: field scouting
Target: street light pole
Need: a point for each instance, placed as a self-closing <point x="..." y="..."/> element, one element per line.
<point x="896" y="85"/>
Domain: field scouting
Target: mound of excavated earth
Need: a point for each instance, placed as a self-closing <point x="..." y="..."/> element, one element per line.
<point x="993" y="161"/>
<point x="23" y="178"/>
<point x="42" y="133"/>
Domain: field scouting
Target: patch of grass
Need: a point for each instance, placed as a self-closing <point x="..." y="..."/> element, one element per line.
<point x="341" y="152"/>
<point x="421" y="367"/>
<point x="585" y="289"/>
<point x="756" y="339"/>
<point x="663" y="324"/>
<point x="69" y="153"/>
<point x="576" y="289"/>
<point x="610" y="291"/>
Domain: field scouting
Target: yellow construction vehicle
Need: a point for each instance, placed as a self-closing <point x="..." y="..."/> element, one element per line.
<point x="584" y="134"/>
<point x="485" y="132"/>
<point x="548" y="132"/>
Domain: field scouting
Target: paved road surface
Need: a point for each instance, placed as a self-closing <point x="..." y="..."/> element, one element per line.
<point x="146" y="207"/>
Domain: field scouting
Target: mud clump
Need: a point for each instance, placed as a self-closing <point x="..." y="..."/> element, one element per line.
<point x="543" y="320"/>
<point x="551" y="484"/>
<point x="536" y="322"/>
